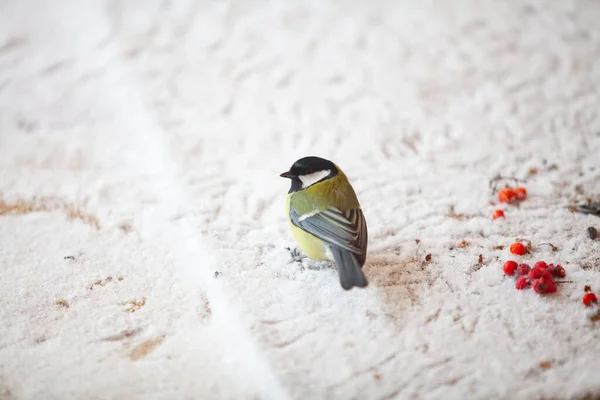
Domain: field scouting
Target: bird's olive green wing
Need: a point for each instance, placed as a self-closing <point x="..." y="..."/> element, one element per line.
<point x="346" y="230"/>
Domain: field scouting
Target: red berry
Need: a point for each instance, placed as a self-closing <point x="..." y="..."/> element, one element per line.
<point x="545" y="284"/>
<point x="535" y="273"/>
<point x="518" y="249"/>
<point x="550" y="285"/>
<point x="589" y="298"/>
<point x="523" y="269"/>
<point x="520" y="193"/>
<point x="506" y="195"/>
<point x="546" y="275"/>
<point x="498" y="214"/>
<point x="510" y="267"/>
<point x="539" y="286"/>
<point x="557" y="270"/>
<point x="522" y="283"/>
<point x="540" y="264"/>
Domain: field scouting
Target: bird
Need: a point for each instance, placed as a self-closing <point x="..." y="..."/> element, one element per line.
<point x="326" y="219"/>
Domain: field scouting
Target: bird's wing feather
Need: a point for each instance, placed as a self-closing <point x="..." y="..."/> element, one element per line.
<point x="347" y="230"/>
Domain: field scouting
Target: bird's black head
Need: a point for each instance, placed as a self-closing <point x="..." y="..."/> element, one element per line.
<point x="309" y="170"/>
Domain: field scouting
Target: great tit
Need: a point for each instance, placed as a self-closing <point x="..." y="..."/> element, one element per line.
<point x="326" y="219"/>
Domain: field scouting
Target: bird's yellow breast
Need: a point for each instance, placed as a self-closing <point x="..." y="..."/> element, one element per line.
<point x="312" y="246"/>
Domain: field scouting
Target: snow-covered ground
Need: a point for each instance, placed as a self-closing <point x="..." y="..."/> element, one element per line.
<point x="142" y="229"/>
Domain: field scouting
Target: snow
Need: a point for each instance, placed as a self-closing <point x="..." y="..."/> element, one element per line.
<point x="142" y="229"/>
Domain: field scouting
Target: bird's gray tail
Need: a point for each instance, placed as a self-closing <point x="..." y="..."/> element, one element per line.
<point x="348" y="267"/>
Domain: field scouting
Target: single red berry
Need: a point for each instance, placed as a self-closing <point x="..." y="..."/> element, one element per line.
<point x="550" y="285"/>
<point x="536" y="273"/>
<point x="506" y="195"/>
<point x="520" y="193"/>
<point x="498" y="214"/>
<point x="510" y="267"/>
<point x="523" y="269"/>
<point x="589" y="298"/>
<point x="557" y="270"/>
<point x="539" y="286"/>
<point x="540" y="264"/>
<point x="522" y="283"/>
<point x="547" y="275"/>
<point x="518" y="249"/>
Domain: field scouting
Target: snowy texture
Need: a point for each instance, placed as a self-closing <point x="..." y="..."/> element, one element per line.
<point x="142" y="229"/>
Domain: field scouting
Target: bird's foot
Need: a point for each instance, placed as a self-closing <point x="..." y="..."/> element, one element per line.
<point x="295" y="255"/>
<point x="321" y="265"/>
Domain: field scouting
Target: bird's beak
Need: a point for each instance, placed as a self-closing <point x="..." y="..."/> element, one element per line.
<point x="287" y="174"/>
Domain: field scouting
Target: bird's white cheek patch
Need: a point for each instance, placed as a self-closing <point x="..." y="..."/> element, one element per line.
<point x="313" y="178"/>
